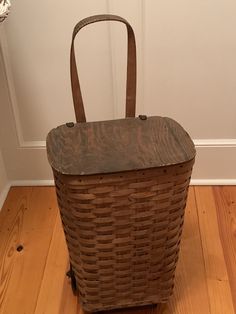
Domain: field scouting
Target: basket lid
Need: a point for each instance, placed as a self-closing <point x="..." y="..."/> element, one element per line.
<point x="118" y="145"/>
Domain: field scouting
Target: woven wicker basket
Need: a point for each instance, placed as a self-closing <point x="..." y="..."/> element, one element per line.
<point x="122" y="188"/>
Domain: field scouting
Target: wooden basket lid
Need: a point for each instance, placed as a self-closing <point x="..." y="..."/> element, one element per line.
<point x="118" y="145"/>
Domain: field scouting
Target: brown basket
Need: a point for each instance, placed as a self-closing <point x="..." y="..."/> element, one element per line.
<point x="122" y="188"/>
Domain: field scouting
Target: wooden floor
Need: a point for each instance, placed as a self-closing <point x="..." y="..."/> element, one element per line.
<point x="32" y="280"/>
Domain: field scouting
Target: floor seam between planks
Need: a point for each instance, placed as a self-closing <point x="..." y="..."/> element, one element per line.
<point x="199" y="229"/>
<point x="46" y="261"/>
<point x="38" y="282"/>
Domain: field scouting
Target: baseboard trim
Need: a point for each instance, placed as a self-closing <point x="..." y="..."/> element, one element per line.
<point x="213" y="182"/>
<point x="3" y="194"/>
<point x="32" y="183"/>
<point x="193" y="182"/>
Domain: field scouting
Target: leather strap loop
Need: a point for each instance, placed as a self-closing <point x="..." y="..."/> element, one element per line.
<point x="131" y="67"/>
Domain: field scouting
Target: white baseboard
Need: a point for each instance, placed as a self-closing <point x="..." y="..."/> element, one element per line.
<point x="32" y="183"/>
<point x="3" y="194"/>
<point x="193" y="182"/>
<point x="213" y="182"/>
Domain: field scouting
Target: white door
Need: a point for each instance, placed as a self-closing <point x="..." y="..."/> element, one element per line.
<point x="186" y="70"/>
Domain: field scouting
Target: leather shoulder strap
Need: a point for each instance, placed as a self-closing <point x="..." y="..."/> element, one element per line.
<point x="131" y="67"/>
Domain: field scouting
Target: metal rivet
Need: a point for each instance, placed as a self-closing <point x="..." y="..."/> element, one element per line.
<point x="142" y="117"/>
<point x="70" y="124"/>
<point x="19" y="248"/>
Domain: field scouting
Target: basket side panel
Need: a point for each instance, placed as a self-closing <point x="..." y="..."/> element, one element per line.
<point x="123" y="233"/>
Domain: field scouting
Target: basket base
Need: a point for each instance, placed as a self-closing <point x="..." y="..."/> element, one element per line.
<point x="126" y="309"/>
<point x="129" y="310"/>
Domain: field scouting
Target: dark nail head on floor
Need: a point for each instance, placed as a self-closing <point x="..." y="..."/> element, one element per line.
<point x="19" y="248"/>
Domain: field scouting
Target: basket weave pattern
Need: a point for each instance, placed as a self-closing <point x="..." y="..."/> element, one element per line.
<point x="123" y="232"/>
<point x="121" y="187"/>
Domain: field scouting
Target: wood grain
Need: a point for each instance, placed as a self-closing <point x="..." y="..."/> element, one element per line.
<point x="33" y="280"/>
<point x="225" y="198"/>
<point x="33" y="212"/>
<point x="190" y="293"/>
<point x="216" y="271"/>
<point x="53" y="281"/>
<point x="118" y="146"/>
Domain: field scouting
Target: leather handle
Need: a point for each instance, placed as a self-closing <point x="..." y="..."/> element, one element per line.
<point x="131" y="67"/>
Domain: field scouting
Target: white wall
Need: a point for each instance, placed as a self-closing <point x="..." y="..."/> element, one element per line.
<point x="4" y="185"/>
<point x="186" y="70"/>
<point x="3" y="175"/>
<point x="3" y="180"/>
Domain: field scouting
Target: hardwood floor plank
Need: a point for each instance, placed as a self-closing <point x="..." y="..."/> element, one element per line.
<point x="225" y="198"/>
<point x="29" y="222"/>
<point x="10" y="233"/>
<point x="55" y="293"/>
<point x="190" y="294"/>
<point x="217" y="278"/>
<point x="68" y="303"/>
<point x="33" y="280"/>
